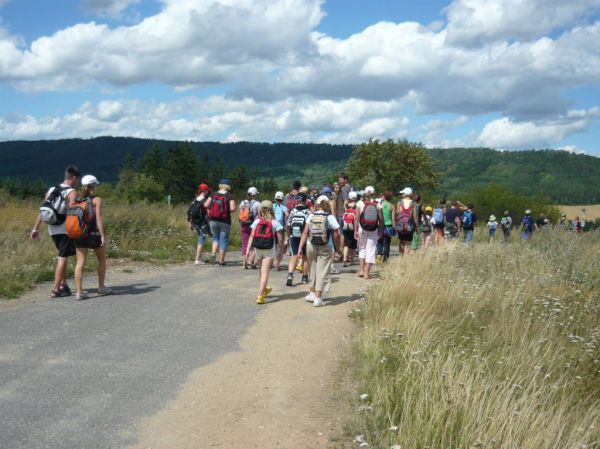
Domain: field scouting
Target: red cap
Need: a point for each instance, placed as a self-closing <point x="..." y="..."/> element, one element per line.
<point x="204" y="187"/>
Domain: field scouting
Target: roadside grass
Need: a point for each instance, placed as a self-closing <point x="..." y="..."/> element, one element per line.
<point x="493" y="346"/>
<point x="146" y="232"/>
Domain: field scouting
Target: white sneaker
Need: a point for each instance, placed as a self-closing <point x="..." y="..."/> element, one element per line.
<point x="310" y="297"/>
<point x="334" y="270"/>
<point x="196" y="262"/>
<point x="318" y="302"/>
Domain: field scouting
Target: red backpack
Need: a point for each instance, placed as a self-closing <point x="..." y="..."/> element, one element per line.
<point x="348" y="218"/>
<point x="264" y="235"/>
<point x="404" y="220"/>
<point x="291" y="201"/>
<point x="369" y="218"/>
<point x="219" y="207"/>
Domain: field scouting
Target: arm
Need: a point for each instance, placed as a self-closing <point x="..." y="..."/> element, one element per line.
<point x="232" y="205"/>
<point x="356" y="222"/>
<point x="303" y="239"/>
<point x="35" y="231"/>
<point x="250" y="240"/>
<point x="380" y="229"/>
<point x="416" y="219"/>
<point x="393" y="216"/>
<point x="338" y="241"/>
<point x="71" y="198"/>
<point x="100" y="220"/>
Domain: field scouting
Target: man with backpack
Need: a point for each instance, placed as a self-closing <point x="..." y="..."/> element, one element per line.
<point x="527" y="225"/>
<point x="53" y="212"/>
<point x="468" y="222"/>
<point x="506" y="225"/>
<point x="452" y="221"/>
<point x="291" y="199"/>
<point x="198" y="219"/>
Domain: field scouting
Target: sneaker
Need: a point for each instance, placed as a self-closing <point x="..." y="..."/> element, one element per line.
<point x="82" y="295"/>
<point x="65" y="290"/>
<point x="290" y="280"/>
<point x="305" y="279"/>
<point x="267" y="291"/>
<point x="199" y="262"/>
<point x="318" y="302"/>
<point x="310" y="297"/>
<point x="105" y="291"/>
<point x="261" y="299"/>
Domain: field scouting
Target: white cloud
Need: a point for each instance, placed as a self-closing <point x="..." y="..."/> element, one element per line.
<point x="109" y="8"/>
<point x="572" y="149"/>
<point x="506" y="133"/>
<point x="475" y="22"/>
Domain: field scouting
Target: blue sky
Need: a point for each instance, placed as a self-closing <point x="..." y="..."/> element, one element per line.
<point x="444" y="73"/>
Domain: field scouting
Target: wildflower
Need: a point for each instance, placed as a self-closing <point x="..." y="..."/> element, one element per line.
<point x="364" y="397"/>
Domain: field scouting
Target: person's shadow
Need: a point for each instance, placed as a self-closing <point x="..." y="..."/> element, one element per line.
<point x="131" y="289"/>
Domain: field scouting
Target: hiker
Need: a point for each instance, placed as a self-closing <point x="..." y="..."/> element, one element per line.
<point x="291" y="199"/>
<point x="198" y="219"/>
<point x="313" y="194"/>
<point x="388" y="213"/>
<point x="527" y="225"/>
<point x="220" y="206"/>
<point x="426" y="227"/>
<point x="53" y="212"/>
<point x="247" y="212"/>
<point x="295" y="227"/>
<point x="468" y="223"/>
<point x="452" y="221"/>
<point x="265" y="231"/>
<point x="319" y="226"/>
<point x="95" y="238"/>
<point x="576" y="225"/>
<point x="345" y="188"/>
<point x="506" y="225"/>
<point x="368" y="227"/>
<point x="563" y="223"/>
<point x="437" y="220"/>
<point x="492" y="225"/>
<point x="416" y="241"/>
<point x="349" y="220"/>
<point x="540" y="221"/>
<point x="406" y="220"/>
<point x="281" y="215"/>
<point x="340" y="206"/>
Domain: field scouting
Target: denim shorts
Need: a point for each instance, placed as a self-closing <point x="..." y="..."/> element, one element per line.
<point x="220" y="233"/>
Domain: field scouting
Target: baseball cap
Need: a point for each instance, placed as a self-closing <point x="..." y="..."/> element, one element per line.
<point x="326" y="189"/>
<point x="204" y="187"/>
<point x="89" y="179"/>
<point x="266" y="204"/>
<point x="352" y="195"/>
<point x="225" y="181"/>
<point x="369" y="190"/>
<point x="279" y="196"/>
<point x="406" y="191"/>
<point x="252" y="191"/>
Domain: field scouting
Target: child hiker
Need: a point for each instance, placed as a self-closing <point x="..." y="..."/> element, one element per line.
<point x="265" y="230"/>
<point x="492" y="225"/>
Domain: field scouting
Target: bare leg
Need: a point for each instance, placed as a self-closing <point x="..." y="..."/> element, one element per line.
<point x="367" y="269"/>
<point x="265" y="266"/>
<point x="60" y="274"/>
<point x="101" y="256"/>
<point x="81" y="255"/>
<point x="361" y="270"/>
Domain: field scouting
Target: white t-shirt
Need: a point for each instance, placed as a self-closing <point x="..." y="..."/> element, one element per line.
<point x="58" y="229"/>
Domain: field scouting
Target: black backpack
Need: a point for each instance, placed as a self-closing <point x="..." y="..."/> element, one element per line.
<point x="196" y="212"/>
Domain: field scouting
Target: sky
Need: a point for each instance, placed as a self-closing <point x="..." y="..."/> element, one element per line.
<point x="503" y="74"/>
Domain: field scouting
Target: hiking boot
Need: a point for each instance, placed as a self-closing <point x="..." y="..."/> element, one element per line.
<point x="290" y="280"/>
<point x="305" y="279"/>
<point x="56" y="294"/>
<point x="261" y="299"/>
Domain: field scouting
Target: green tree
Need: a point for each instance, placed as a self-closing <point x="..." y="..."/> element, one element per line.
<point x="181" y="173"/>
<point x="145" y="187"/>
<point x="152" y="162"/>
<point x="240" y="180"/>
<point x="391" y="165"/>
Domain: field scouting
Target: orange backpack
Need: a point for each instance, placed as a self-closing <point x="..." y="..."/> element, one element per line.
<point x="79" y="216"/>
<point x="245" y="212"/>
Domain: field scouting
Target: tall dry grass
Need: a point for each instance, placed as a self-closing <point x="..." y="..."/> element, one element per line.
<point x="143" y="231"/>
<point x="494" y="346"/>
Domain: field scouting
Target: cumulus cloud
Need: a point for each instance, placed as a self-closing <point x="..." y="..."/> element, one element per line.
<point x="220" y="118"/>
<point x="475" y="22"/>
<point x="109" y="8"/>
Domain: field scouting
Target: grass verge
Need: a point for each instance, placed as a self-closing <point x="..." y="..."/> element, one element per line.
<point x="494" y="346"/>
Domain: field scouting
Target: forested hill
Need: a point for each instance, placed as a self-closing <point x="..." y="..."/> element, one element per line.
<point x="563" y="177"/>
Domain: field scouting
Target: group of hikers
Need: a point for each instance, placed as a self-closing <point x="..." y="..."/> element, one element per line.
<point x="315" y="227"/>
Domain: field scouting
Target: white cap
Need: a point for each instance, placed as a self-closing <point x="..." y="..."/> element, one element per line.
<point x="89" y="179"/>
<point x="369" y="190"/>
<point x="406" y="191"/>
<point x="252" y="191"/>
<point x="279" y="196"/>
<point x="352" y="195"/>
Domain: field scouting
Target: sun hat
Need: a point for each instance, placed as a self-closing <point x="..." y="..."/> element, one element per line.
<point x="492" y="217"/>
<point x="252" y="191"/>
<point x="302" y="197"/>
<point x="352" y="195"/>
<point x="406" y="191"/>
<point x="279" y="196"/>
<point x="266" y="204"/>
<point x="369" y="190"/>
<point x="204" y="187"/>
<point x="89" y="179"/>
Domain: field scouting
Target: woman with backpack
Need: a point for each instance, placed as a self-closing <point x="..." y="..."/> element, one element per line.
<point x="437" y="221"/>
<point x="220" y="206"/>
<point x="198" y="220"/>
<point x="368" y="227"/>
<point x="95" y="238"/>
<point x="265" y="231"/>
<point x="427" y="227"/>
<point x="247" y="213"/>
<point x="319" y="227"/>
<point x="407" y="221"/>
<point x="349" y="219"/>
<point x="388" y="212"/>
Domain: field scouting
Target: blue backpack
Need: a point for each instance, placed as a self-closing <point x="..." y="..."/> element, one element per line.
<point x="467" y="219"/>
<point x="438" y="215"/>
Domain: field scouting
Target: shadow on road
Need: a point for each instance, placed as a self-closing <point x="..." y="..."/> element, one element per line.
<point x="132" y="289"/>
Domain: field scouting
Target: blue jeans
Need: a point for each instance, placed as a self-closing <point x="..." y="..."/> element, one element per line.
<point x="525" y="235"/>
<point x="468" y="235"/>
<point x="220" y="233"/>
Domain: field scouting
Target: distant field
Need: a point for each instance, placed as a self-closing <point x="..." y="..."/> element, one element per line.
<point x="591" y="211"/>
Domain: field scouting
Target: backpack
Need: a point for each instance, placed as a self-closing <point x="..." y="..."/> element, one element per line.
<point x="348" y="218"/>
<point x="467" y="219"/>
<point x="196" y="212"/>
<point x="264" y="235"/>
<point x="505" y="223"/>
<point x="291" y="201"/>
<point x="438" y="215"/>
<point x="54" y="208"/>
<point x="245" y="212"/>
<point x="404" y="220"/>
<point x="426" y="223"/>
<point x="527" y="223"/>
<point x="79" y="217"/>
<point x="369" y="218"/>
<point x="297" y="220"/>
<point x="219" y="207"/>
<point x="318" y="229"/>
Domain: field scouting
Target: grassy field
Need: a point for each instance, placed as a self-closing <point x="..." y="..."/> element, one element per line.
<point x="592" y="211"/>
<point x="495" y="346"/>
<point x="148" y="232"/>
